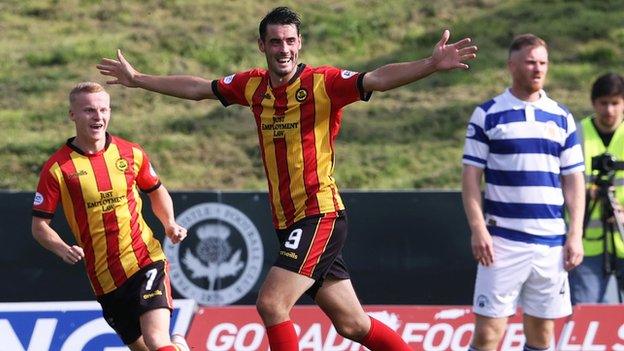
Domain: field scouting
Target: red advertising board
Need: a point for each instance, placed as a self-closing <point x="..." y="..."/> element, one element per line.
<point x="431" y="328"/>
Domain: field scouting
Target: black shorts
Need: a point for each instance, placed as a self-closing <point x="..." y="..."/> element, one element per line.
<point x="146" y="290"/>
<point x="313" y="247"/>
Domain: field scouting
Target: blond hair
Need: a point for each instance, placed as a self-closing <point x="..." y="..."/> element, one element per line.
<point x="523" y="40"/>
<point x="84" y="88"/>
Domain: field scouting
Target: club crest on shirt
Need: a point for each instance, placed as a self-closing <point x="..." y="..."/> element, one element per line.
<point x="552" y="130"/>
<point x="301" y="95"/>
<point x="121" y="164"/>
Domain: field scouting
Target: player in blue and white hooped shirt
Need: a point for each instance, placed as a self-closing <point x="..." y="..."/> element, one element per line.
<point x="525" y="146"/>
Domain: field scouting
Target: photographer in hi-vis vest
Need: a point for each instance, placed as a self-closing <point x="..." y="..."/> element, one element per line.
<point x="600" y="277"/>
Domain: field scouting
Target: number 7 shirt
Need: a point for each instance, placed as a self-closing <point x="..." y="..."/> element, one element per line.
<point x="100" y="197"/>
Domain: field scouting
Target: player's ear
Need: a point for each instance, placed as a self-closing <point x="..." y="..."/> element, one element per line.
<point x="510" y="65"/>
<point x="511" y="60"/>
<point x="261" y="45"/>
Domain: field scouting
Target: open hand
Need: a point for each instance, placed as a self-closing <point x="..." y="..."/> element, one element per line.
<point x="120" y="69"/>
<point x="450" y="56"/>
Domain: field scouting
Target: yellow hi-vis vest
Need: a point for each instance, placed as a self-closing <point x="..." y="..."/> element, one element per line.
<point x="593" y="146"/>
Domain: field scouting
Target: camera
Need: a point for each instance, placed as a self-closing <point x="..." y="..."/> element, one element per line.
<point x="606" y="163"/>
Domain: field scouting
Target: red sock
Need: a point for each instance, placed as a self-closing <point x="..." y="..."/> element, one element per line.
<point x="168" y="348"/>
<point x="382" y="338"/>
<point x="282" y="337"/>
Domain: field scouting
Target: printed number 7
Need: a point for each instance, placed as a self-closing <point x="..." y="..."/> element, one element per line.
<point x="293" y="239"/>
<point x="151" y="275"/>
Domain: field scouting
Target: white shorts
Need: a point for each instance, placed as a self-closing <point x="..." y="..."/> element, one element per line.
<point x="529" y="275"/>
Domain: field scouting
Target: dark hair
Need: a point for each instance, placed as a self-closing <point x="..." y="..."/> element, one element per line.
<point x="279" y="15"/>
<point x="523" y="40"/>
<point x="609" y="84"/>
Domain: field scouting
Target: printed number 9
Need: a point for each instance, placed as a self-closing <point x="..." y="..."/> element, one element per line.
<point x="293" y="239"/>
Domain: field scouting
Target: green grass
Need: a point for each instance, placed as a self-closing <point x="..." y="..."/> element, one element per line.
<point x="411" y="137"/>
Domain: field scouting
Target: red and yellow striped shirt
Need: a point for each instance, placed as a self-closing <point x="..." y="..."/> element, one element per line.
<point x="102" y="205"/>
<point x="297" y="125"/>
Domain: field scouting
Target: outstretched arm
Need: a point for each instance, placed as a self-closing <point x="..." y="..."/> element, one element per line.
<point x="445" y="57"/>
<point x="49" y="238"/>
<point x="182" y="86"/>
<point x="162" y="205"/>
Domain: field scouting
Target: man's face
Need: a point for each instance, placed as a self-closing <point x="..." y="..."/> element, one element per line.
<point x="528" y="67"/>
<point x="609" y="110"/>
<point x="91" y="114"/>
<point x="281" y="46"/>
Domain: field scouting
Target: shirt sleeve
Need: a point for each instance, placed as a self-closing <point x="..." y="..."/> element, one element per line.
<point x="345" y="87"/>
<point x="571" y="157"/>
<point x="231" y="89"/>
<point x="47" y="195"/>
<point x="147" y="179"/>
<point x="477" y="144"/>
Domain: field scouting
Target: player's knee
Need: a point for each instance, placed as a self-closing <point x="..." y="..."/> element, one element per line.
<point x="352" y="329"/>
<point x="539" y="340"/>
<point x="264" y="306"/>
<point x="474" y="348"/>
<point x="538" y="332"/>
<point x="155" y="340"/>
<point x="269" y="308"/>
<point x="487" y="336"/>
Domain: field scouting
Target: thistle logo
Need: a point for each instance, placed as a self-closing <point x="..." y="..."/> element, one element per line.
<point x="220" y="260"/>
